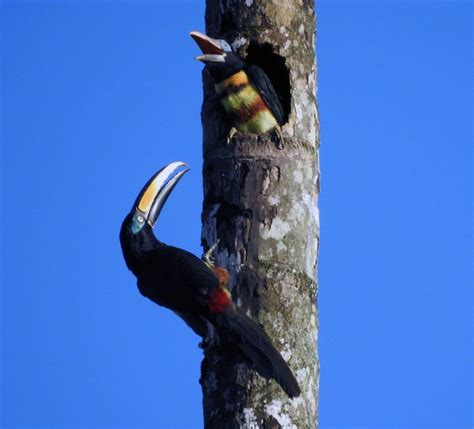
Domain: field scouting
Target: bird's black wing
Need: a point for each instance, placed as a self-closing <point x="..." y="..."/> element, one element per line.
<point x="195" y="322"/>
<point x="176" y="278"/>
<point x="265" y="88"/>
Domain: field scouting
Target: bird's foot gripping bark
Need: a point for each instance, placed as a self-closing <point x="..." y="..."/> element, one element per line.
<point x="280" y="142"/>
<point x="231" y="134"/>
<point x="210" y="339"/>
<point x="208" y="259"/>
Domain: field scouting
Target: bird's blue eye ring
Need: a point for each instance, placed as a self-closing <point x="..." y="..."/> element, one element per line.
<point x="140" y="219"/>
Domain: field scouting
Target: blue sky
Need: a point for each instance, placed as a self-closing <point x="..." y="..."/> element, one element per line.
<point x="98" y="95"/>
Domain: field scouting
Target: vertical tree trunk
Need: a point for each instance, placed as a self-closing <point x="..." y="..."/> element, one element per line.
<point x="261" y="202"/>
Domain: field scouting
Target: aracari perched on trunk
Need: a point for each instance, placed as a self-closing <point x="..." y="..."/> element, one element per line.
<point x="193" y="288"/>
<point x="245" y="91"/>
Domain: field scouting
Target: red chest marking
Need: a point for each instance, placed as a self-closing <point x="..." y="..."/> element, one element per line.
<point x="219" y="300"/>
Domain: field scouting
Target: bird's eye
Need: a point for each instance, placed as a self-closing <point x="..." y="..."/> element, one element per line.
<point x="140" y="219"/>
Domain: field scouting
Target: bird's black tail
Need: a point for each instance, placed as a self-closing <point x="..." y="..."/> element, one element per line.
<point x="258" y="348"/>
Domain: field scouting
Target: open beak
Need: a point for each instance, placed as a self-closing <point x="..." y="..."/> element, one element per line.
<point x="211" y="48"/>
<point x="154" y="194"/>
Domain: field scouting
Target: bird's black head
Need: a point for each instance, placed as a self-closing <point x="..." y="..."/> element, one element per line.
<point x="136" y="234"/>
<point x="218" y="56"/>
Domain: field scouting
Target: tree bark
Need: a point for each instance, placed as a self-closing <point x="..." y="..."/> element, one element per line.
<point x="261" y="202"/>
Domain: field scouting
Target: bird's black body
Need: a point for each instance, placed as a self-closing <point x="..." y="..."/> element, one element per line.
<point x="176" y="279"/>
<point x="169" y="276"/>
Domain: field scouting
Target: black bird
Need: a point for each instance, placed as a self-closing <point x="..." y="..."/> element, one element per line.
<point x="245" y="91"/>
<point x="195" y="290"/>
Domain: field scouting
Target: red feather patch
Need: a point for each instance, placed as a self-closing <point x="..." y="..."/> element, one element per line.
<point x="219" y="300"/>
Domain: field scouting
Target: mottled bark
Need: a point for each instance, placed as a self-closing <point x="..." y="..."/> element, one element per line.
<point x="261" y="202"/>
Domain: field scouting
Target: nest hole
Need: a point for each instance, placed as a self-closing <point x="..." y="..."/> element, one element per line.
<point x="274" y="65"/>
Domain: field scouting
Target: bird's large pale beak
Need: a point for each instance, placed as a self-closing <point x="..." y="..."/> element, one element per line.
<point x="154" y="194"/>
<point x="211" y="48"/>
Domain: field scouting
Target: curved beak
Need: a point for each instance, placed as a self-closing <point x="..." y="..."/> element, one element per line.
<point x="211" y="48"/>
<point x="154" y="194"/>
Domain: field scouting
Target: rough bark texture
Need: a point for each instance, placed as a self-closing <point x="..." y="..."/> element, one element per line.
<point x="261" y="202"/>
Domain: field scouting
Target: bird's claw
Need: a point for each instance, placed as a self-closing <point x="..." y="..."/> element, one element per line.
<point x="280" y="142"/>
<point x="210" y="339"/>
<point x="207" y="258"/>
<point x="231" y="134"/>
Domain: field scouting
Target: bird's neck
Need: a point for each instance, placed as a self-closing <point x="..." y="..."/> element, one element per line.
<point x="135" y="245"/>
<point x="220" y="75"/>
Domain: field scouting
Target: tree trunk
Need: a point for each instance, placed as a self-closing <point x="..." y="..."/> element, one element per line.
<point x="261" y="202"/>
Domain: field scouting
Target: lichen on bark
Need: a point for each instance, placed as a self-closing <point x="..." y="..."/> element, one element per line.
<point x="261" y="203"/>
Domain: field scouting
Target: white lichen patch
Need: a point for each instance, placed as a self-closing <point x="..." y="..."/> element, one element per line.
<point x="249" y="2"/>
<point x="308" y="200"/>
<point x="298" y="176"/>
<point x="301" y="29"/>
<point x="278" y="229"/>
<point x="267" y="254"/>
<point x="299" y="112"/>
<point x="299" y="212"/>
<point x="287" y="291"/>
<point x="312" y="135"/>
<point x="274" y="200"/>
<point x="312" y="320"/>
<point x="310" y="392"/>
<point x="281" y="247"/>
<point x="309" y="176"/>
<point x="286" y="354"/>
<point x="301" y="375"/>
<point x="297" y="402"/>
<point x="274" y="409"/>
<point x="250" y="420"/>
<point x="277" y="324"/>
<point x="315" y="215"/>
<point x="312" y="81"/>
<point x="304" y="108"/>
